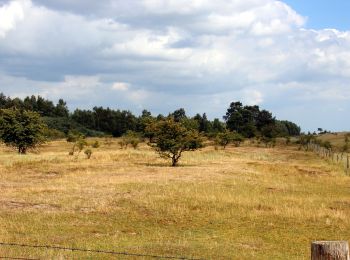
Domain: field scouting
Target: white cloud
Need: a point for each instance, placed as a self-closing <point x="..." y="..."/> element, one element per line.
<point x="255" y="50"/>
<point x="120" y="86"/>
<point x="11" y="14"/>
<point x="253" y="97"/>
<point x="138" y="95"/>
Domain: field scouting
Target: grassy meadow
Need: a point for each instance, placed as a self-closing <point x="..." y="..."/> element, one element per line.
<point x="238" y="203"/>
<point x="336" y="139"/>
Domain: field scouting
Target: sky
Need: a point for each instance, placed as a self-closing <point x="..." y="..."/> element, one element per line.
<point x="323" y="14"/>
<point x="291" y="57"/>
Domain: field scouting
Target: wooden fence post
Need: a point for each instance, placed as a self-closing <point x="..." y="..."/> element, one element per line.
<point x="347" y="165"/>
<point x="330" y="250"/>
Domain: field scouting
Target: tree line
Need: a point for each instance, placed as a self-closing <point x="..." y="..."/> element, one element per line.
<point x="27" y="123"/>
<point x="248" y="121"/>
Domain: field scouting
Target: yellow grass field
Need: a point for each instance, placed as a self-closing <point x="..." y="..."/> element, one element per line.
<point x="336" y="139"/>
<point x="238" y="203"/>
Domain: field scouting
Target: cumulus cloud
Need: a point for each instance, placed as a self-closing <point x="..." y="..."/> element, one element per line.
<point x="143" y="52"/>
<point x="10" y="14"/>
<point x="120" y="86"/>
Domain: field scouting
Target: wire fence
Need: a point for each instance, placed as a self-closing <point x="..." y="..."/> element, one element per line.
<point x="90" y="251"/>
<point x="18" y="258"/>
<point x="327" y="153"/>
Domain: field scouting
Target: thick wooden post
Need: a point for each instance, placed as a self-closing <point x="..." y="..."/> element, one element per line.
<point x="330" y="250"/>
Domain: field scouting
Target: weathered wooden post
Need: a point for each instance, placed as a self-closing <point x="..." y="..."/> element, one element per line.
<point x="330" y="250"/>
<point x="347" y="165"/>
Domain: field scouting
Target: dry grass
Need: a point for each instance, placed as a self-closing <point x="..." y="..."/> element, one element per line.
<point x="241" y="203"/>
<point x="336" y="139"/>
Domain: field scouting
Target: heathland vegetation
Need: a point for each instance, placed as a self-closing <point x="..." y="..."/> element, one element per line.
<point x="250" y="188"/>
<point x="236" y="203"/>
<point x="170" y="135"/>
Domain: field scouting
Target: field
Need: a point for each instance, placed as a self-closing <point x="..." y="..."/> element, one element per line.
<point x="336" y="139"/>
<point x="238" y="203"/>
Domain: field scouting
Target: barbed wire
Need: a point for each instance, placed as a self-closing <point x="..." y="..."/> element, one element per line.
<point x="18" y="258"/>
<point x="95" y="251"/>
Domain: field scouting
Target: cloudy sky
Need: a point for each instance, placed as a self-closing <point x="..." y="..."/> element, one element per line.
<point x="290" y="57"/>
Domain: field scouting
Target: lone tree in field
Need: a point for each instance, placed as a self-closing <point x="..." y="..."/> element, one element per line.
<point x="227" y="137"/>
<point x="21" y="129"/>
<point x="172" y="139"/>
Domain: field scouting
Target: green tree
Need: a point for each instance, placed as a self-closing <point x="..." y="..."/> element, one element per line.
<point x="61" y="109"/>
<point x="204" y="125"/>
<point x="178" y="114"/>
<point x="172" y="139"/>
<point x="223" y="139"/>
<point x="227" y="137"/>
<point x="21" y="129"/>
<point x="234" y="117"/>
<point x="150" y="130"/>
<point x="218" y="126"/>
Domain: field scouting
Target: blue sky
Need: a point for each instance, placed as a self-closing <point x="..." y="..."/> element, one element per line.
<point x="324" y="13"/>
<point x="291" y="57"/>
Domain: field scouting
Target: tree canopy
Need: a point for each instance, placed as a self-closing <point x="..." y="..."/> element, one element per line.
<point x="172" y="139"/>
<point x="21" y="129"/>
<point x="249" y="121"/>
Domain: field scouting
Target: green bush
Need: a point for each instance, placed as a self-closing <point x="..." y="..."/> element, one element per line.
<point x="21" y="129"/>
<point x="172" y="139"/>
<point x="88" y="153"/>
<point x="96" y="144"/>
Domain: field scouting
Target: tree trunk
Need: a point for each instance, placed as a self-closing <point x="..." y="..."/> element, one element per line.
<point x="22" y="150"/>
<point x="330" y="250"/>
<point x="174" y="161"/>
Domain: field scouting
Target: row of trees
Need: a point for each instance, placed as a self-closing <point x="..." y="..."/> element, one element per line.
<point x="248" y="121"/>
<point x="44" y="107"/>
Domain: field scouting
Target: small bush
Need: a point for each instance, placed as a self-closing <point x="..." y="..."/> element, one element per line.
<point x="96" y="144"/>
<point x="53" y="134"/>
<point x="80" y="144"/>
<point x="88" y="153"/>
<point x="74" y="136"/>
<point x="131" y="138"/>
<point x="327" y="145"/>
<point x="123" y="144"/>
<point x="227" y="137"/>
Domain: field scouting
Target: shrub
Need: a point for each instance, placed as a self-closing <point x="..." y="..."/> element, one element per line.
<point x="21" y="129"/>
<point x="79" y="144"/>
<point x="96" y="144"/>
<point x="227" y="137"/>
<point x="54" y="134"/>
<point x="88" y="153"/>
<point x="131" y="138"/>
<point x="172" y="139"/>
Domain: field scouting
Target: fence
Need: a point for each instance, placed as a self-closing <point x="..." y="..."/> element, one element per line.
<point x="3" y="244"/>
<point x="328" y="154"/>
<point x="320" y="250"/>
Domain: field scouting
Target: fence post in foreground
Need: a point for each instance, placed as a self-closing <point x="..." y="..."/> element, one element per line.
<point x="330" y="250"/>
<point x="347" y="165"/>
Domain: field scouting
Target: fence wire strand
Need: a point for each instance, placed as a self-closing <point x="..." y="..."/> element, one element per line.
<point x="93" y="251"/>
<point x="18" y="258"/>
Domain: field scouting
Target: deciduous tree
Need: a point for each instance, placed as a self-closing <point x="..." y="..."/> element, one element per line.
<point x="21" y="129"/>
<point x="172" y="139"/>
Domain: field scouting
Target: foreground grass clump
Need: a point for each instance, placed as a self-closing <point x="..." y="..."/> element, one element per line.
<point x="238" y="203"/>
